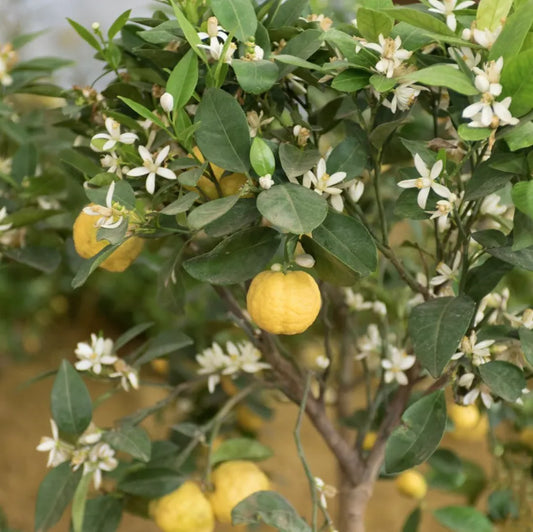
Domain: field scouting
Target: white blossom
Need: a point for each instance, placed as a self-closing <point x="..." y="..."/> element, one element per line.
<point x="426" y="181"/>
<point x="441" y="213"/>
<point x="266" y="181"/>
<point x="111" y="162"/>
<point x="491" y="205"/>
<point x="403" y="96"/>
<point x="243" y="356"/>
<point x="108" y="216"/>
<point x="446" y="274"/>
<point x="466" y="381"/>
<point x="59" y="451"/>
<point x="488" y="79"/>
<point x="3" y="215"/>
<point x="447" y="8"/>
<point x="395" y="366"/>
<point x="525" y="320"/>
<point x="167" y="102"/>
<point x="152" y="167"/>
<point x="485" y="37"/>
<point x="355" y="190"/>
<point x="391" y="52"/>
<point x="256" y="121"/>
<point x="217" y="40"/>
<point x="478" y="351"/>
<point x="129" y="376"/>
<point x="101" y="457"/>
<point x="95" y="355"/>
<point x="369" y="344"/>
<point x="324" y="490"/>
<point x="113" y="136"/>
<point x="323" y="183"/>
<point x="466" y="53"/>
<point x="322" y="361"/>
<point x="212" y="360"/>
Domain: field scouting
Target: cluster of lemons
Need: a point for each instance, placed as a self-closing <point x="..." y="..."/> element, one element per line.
<point x="189" y="509"/>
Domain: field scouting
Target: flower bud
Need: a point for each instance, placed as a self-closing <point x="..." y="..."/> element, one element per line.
<point x="266" y="181"/>
<point x="355" y="190"/>
<point x="305" y="260"/>
<point x="167" y="102"/>
<point x="95" y="26"/>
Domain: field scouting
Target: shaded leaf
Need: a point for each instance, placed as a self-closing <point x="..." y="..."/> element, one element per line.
<point x="463" y="519"/>
<point x="503" y="378"/>
<point x="240" y="449"/>
<point x="151" y="483"/>
<point x="132" y="440"/>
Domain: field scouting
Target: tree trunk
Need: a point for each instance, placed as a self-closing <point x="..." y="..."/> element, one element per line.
<point x="353" y="502"/>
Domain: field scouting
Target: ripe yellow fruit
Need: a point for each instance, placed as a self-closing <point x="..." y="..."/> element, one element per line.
<point x="233" y="482"/>
<point x="283" y="303"/>
<point x="370" y="440"/>
<point x="464" y="417"/>
<point x="184" y="510"/>
<point x="160" y="366"/>
<point x="526" y="436"/>
<point x="229" y="185"/>
<point x="476" y="433"/>
<point x="411" y="484"/>
<point x="84" y="235"/>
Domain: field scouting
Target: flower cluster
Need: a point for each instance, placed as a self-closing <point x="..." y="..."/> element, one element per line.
<point x="89" y="451"/>
<point x="217" y="41"/>
<point x="238" y="357"/>
<point x="395" y="365"/>
<point x="447" y="8"/>
<point x="324" y="184"/>
<point x="392" y="55"/>
<point x="8" y="57"/>
<point x="99" y="358"/>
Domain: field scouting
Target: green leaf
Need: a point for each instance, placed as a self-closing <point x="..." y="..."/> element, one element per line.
<point x="443" y="76"/>
<point x="163" y="344"/>
<point x="183" y="79"/>
<point x="522" y="231"/>
<point x="70" y="401"/>
<point x="286" y="13"/>
<point x="483" y="279"/>
<point x="419" y="434"/>
<point x="517" y="80"/>
<point x="382" y="83"/>
<point x="486" y="180"/>
<point x="490" y="13"/>
<point x="350" y="156"/>
<point x="102" y="514"/>
<point x="24" y="163"/>
<point x="188" y="30"/>
<point x="236" y="259"/>
<point x="473" y="134"/>
<point x="292" y="208"/>
<point x="132" y="333"/>
<point x="210" y="211"/>
<point x="262" y="158"/>
<point x="519" y="136"/>
<point x="526" y="342"/>
<point x="223" y="136"/>
<point x="463" y="519"/>
<point x="79" y="501"/>
<point x="119" y="23"/>
<point x="514" y="33"/>
<point x="39" y="257"/>
<point x="347" y="242"/>
<point x="351" y="80"/>
<point x="85" y="34"/>
<point x="295" y="161"/>
<point x="122" y="194"/>
<point x="255" y="77"/>
<point x="297" y="62"/>
<point x="241" y="215"/>
<point x="304" y="45"/>
<point x="502" y="505"/>
<point x="413" y="521"/>
<point x="523" y="258"/>
<point x="522" y="195"/>
<point x="151" y="483"/>
<point x="270" y="508"/>
<point x="420" y="19"/>
<point x="132" y="440"/>
<point x="54" y="495"/>
<point x="21" y="40"/>
<point x="76" y="159"/>
<point x="240" y="449"/>
<point x="182" y="204"/>
<point x="504" y="379"/>
<point x="436" y="328"/>
<point x="372" y="23"/>
<point x="141" y="110"/>
<point x="236" y="16"/>
<point x="88" y="266"/>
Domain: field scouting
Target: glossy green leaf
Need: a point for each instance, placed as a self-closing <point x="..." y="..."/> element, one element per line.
<point x="371" y="23"/>
<point x="473" y="134"/>
<point x="382" y="83"/>
<point x="189" y="31"/>
<point x="122" y="194"/>
<point x="255" y="77"/>
<point x="522" y="195"/>
<point x="504" y="379"/>
<point x="151" y="483"/>
<point x="85" y="34"/>
<point x="483" y="279"/>
<point x="240" y="449"/>
<point x="412" y="522"/>
<point x="241" y="215"/>
<point x="523" y="258"/>
<point x="286" y="13"/>
<point x="351" y="80"/>
<point x="164" y="343"/>
<point x="486" y="180"/>
<point x="54" y="495"/>
<point x="262" y="158"/>
<point x="132" y="440"/>
<point x="39" y="257"/>
<point x="304" y="45"/>
<point x="182" y="204"/>
<point x="526" y="342"/>
<point x="102" y="514"/>
<point x="210" y="211"/>
<point x="223" y="136"/>
<point x="490" y="13"/>
<point x="70" y="400"/>
<point x="436" y="328"/>
<point x="79" y="501"/>
<point x="350" y="156"/>
<point x="236" y="16"/>
<point x="237" y="258"/>
<point x="517" y="79"/>
<point x="270" y="508"/>
<point x="119" y="23"/>
<point x="463" y="519"/>
<point x="295" y="161"/>
<point x="420" y="19"/>
<point x="183" y="79"/>
<point x="292" y="208"/>
<point x="522" y="231"/>
<point x="88" y="266"/>
<point x="418" y="435"/>
<point x="132" y="333"/>
<point x="141" y="110"/>
<point x="443" y="76"/>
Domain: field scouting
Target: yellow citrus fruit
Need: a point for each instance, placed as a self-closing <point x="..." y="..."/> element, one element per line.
<point x="283" y="303"/>
<point x="160" y="365"/>
<point x="233" y="482"/>
<point x="464" y="417"/>
<point x="184" y="510"/>
<point x="248" y="419"/>
<point x="526" y="436"/>
<point x="411" y="484"/>
<point x="84" y="235"/>
<point x="370" y="440"/>
<point x="229" y="184"/>
<point x="476" y="433"/>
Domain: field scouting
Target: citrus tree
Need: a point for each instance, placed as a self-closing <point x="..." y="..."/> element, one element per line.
<point x="364" y="184"/>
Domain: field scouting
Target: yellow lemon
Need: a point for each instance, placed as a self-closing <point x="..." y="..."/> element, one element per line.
<point x="233" y="482"/>
<point x="84" y="235"/>
<point x="464" y="417"/>
<point x="526" y="436"/>
<point x="411" y="484"/>
<point x="160" y="366"/>
<point x="283" y="303"/>
<point x="184" y="510"/>
<point x="475" y="433"/>
<point x="370" y="440"/>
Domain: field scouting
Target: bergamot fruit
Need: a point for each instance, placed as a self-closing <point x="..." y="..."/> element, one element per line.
<point x="464" y="417"/>
<point x="233" y="482"/>
<point x="283" y="303"/>
<point x="411" y="484"/>
<point x="84" y="235"/>
<point x="184" y="510"/>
